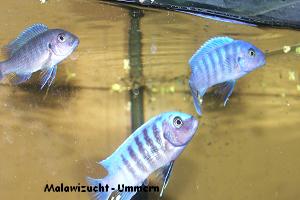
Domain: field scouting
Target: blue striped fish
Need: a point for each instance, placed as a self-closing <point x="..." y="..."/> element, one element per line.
<point x="221" y="60"/>
<point x="152" y="147"/>
<point x="37" y="48"/>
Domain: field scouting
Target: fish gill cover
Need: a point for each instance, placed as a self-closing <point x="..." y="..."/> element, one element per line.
<point x="275" y="13"/>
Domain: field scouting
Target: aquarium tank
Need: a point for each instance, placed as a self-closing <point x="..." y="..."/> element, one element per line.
<point x="150" y="99"/>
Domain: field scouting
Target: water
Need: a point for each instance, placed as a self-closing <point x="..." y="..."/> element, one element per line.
<point x="247" y="150"/>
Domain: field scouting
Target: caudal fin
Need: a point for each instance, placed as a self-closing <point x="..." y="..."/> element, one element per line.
<point x="99" y="195"/>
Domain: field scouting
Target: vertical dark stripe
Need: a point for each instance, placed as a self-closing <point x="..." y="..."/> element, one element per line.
<point x="129" y="167"/>
<point x="218" y="67"/>
<point x="156" y="134"/>
<point x="197" y="71"/>
<point x="235" y="54"/>
<point x="143" y="151"/>
<point x="213" y="68"/>
<point x="206" y="70"/>
<point x="138" y="162"/>
<point x="25" y="56"/>
<point x="221" y="61"/>
<point x="199" y="74"/>
<point x="229" y="51"/>
<point x="148" y="141"/>
<point x="140" y="147"/>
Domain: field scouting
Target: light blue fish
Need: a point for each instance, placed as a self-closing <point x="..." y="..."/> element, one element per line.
<point x="152" y="147"/>
<point x="37" y="48"/>
<point x="221" y="60"/>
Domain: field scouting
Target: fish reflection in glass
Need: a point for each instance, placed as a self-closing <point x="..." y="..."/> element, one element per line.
<point x="37" y="48"/>
<point x="151" y="148"/>
<point x="221" y="61"/>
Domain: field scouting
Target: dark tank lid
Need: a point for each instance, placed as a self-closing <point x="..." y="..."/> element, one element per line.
<point x="275" y="13"/>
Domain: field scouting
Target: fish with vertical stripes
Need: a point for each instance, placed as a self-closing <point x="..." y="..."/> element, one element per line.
<point x="37" y="48"/>
<point x="153" y="147"/>
<point x="221" y="61"/>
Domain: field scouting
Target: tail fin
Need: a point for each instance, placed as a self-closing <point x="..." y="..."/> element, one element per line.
<point x="99" y="195"/>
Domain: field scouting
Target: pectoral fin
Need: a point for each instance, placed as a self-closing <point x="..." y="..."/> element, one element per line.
<point x="122" y="195"/>
<point x="53" y="74"/>
<point x="48" y="75"/>
<point x="163" y="175"/>
<point x="224" y="90"/>
<point x="146" y="182"/>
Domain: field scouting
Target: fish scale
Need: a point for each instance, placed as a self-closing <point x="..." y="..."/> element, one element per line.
<point x="221" y="60"/>
<point x="221" y="56"/>
<point x="228" y="50"/>
<point x="216" y="57"/>
<point x="153" y="146"/>
<point x="149" y="142"/>
<point x="142" y="152"/>
<point x="213" y="71"/>
<point x="131" y="150"/>
<point x="201" y="72"/>
<point x="156" y="129"/>
<point x="138" y="162"/>
<point x="128" y="166"/>
<point x="207" y="69"/>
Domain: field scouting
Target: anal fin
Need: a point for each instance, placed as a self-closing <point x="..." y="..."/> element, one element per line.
<point x="20" y="78"/>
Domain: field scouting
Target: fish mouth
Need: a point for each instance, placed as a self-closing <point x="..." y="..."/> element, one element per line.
<point x="75" y="43"/>
<point x="251" y="70"/>
<point x="195" y="123"/>
<point x="74" y="46"/>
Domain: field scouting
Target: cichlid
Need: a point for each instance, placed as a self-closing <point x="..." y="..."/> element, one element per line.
<point x="153" y="146"/>
<point x="37" y="48"/>
<point x="221" y="60"/>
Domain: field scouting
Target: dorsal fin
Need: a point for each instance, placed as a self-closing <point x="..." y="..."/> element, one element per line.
<point x="24" y="37"/>
<point x="209" y="46"/>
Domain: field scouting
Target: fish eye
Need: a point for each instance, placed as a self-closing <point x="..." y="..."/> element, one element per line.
<point x="177" y="122"/>
<point x="251" y="52"/>
<point x="61" y="37"/>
